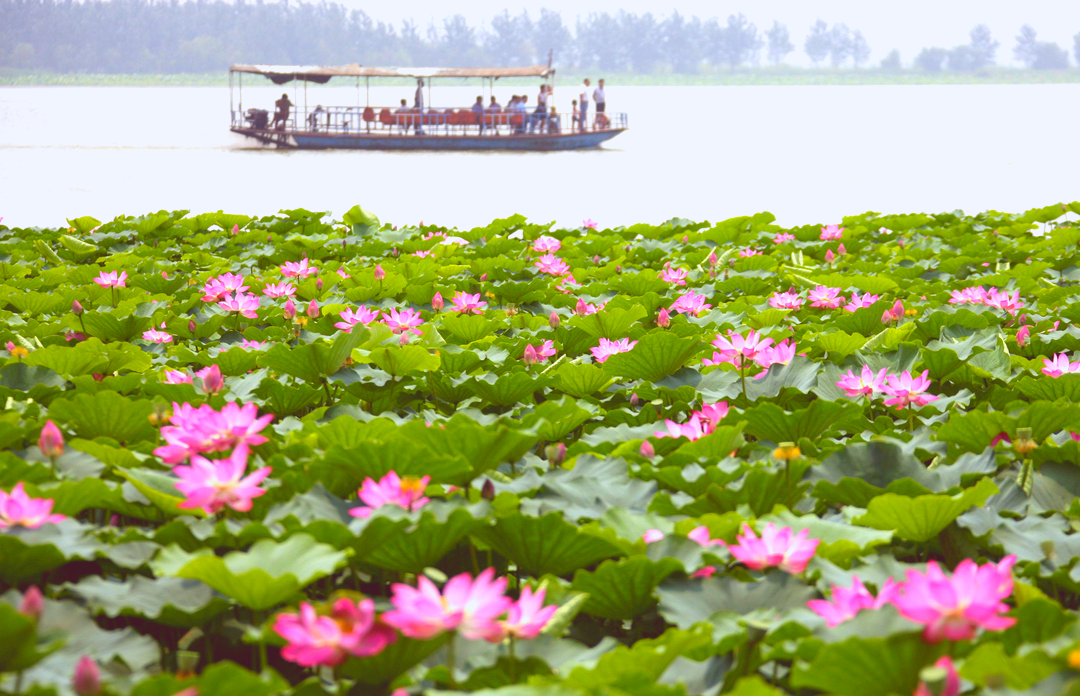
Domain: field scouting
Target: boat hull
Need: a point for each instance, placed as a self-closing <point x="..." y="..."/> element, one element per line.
<point x="369" y="141"/>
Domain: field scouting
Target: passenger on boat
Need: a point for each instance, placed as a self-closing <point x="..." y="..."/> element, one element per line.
<point x="493" y="107"/>
<point x="403" y="109"/>
<point x="576" y="116"/>
<point x="281" y="114"/>
<point x="478" y="111"/>
<point x="418" y="104"/>
<point x="553" y="121"/>
<point x="536" y="122"/>
<point x="313" y="118"/>
<point x="583" y="98"/>
<point x="598" y="97"/>
<point x="521" y="112"/>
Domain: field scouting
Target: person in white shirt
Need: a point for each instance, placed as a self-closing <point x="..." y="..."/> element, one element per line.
<point x="583" y="105"/>
<point x="418" y="104"/>
<point x="598" y="97"/>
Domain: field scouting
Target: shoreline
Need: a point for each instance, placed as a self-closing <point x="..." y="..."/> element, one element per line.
<point x="765" y="77"/>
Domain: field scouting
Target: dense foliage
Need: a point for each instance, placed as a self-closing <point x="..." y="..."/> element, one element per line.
<point x="684" y="459"/>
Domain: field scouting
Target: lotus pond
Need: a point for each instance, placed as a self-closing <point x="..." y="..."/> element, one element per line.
<point x="291" y="455"/>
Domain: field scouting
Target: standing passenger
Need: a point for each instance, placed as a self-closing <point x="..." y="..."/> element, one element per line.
<point x="281" y="114"/>
<point x="418" y="104"/>
<point x="583" y="119"/>
<point x="598" y="97"/>
<point x="478" y="111"/>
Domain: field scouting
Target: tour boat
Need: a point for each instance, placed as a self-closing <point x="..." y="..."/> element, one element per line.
<point x="372" y="127"/>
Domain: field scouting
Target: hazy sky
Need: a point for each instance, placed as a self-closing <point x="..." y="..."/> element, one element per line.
<point x="908" y="26"/>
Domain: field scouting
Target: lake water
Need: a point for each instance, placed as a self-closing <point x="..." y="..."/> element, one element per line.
<point x="808" y="154"/>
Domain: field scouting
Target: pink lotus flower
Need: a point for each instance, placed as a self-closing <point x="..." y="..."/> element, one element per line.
<point x="453" y="240"/>
<point x="552" y="265"/>
<point x="156" y="336"/>
<point x="214" y="484"/>
<point x="690" y="303"/>
<point x="608" y="348"/>
<point x="406" y="493"/>
<point x="589" y="224"/>
<point x="74" y="336"/>
<point x="849" y="601"/>
<point x="775" y="548"/>
<point x="212" y="381"/>
<point x="351" y="629"/>
<point x="975" y="295"/>
<point x="112" y="279"/>
<point x="341" y="272"/>
<point x="464" y="303"/>
<point x="857" y="302"/>
<point x="1023" y="336"/>
<point x="651" y="536"/>
<point x="701" y="536"/>
<point x="748" y="252"/>
<point x="254" y="345"/>
<point x="51" y="440"/>
<point x="780" y="354"/>
<point x="712" y="414"/>
<point x="906" y="390"/>
<point x="952" y="680"/>
<point x="692" y="429"/>
<point x="539" y="353"/>
<point x="279" y="290"/>
<point x="403" y="321"/>
<point x="831" y="232"/>
<point x="583" y="308"/>
<point x="786" y="300"/>
<point x="177" y="377"/>
<point x="675" y="276"/>
<point x="1059" y="365"/>
<point x="865" y="384"/>
<point x="362" y="315"/>
<point x="469" y="606"/>
<point x="194" y="430"/>
<point x="1003" y="300"/>
<point x="17" y="509"/>
<point x="737" y="350"/>
<point x="242" y="304"/>
<point x="894" y="314"/>
<point x="298" y="270"/>
<point x="782" y="237"/>
<point x="955" y="608"/>
<point x="422" y="253"/>
<point x="567" y="284"/>
<point x="225" y="284"/>
<point x="526" y="617"/>
<point x="546" y="245"/>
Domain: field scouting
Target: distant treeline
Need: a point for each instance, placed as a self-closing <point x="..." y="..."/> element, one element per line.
<point x="139" y="36"/>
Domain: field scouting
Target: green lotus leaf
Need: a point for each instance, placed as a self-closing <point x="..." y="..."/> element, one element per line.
<point x="609" y="323"/>
<point x="554" y="420"/>
<point x="973" y="431"/>
<point x="656" y="355"/>
<point x="687" y="602"/>
<point x="922" y="518"/>
<point x="548" y="544"/>
<point x="160" y="489"/>
<point x="108" y="327"/>
<point x="171" y="601"/>
<point x="580" y="380"/>
<point x="382" y="669"/>
<point x="858" y="473"/>
<point x="312" y="362"/>
<point x="22" y="647"/>
<point x="363" y="221"/>
<point x="628" y="668"/>
<point x="840" y="543"/>
<point x="343" y="471"/>
<point x="466" y="328"/>
<point x="287" y="399"/>
<point x="767" y="421"/>
<point x="508" y="389"/>
<point x="402" y="360"/>
<point x="105" y="414"/>
<point x="266" y="575"/>
<point x="868" y="666"/>
<point x="89" y="357"/>
<point x="25" y="553"/>
<point x="625" y="588"/>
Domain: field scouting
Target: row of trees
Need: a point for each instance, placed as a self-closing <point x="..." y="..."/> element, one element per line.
<point x="120" y="36"/>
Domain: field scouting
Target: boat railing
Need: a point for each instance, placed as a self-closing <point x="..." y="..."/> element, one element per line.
<point x="351" y="120"/>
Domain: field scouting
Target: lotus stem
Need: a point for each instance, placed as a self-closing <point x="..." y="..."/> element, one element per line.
<point x="513" y="662"/>
<point x="450" y="660"/>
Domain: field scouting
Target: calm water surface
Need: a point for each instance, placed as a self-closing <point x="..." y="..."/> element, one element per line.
<point x="808" y="154"/>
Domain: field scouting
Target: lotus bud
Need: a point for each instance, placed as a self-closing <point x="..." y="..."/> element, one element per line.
<point x="164" y="274"/>
<point x="829" y="256"/>
<point x="191" y="327"/>
<point x="114" y="521"/>
<point x="437" y="302"/>
<point x="403" y="339"/>
<point x="1023" y="336"/>
<point x="483" y="278"/>
<point x="663" y="320"/>
<point x="236" y="229"/>
<point x="555" y="453"/>
<point x="618" y="270"/>
<point x="530" y="357"/>
<point x="318" y="284"/>
<point x="212" y="381"/>
<point x="900" y="242"/>
<point x="553" y="320"/>
<point x="395" y="253"/>
<point x="77" y="309"/>
<point x="581" y="308"/>
<point x="269" y="238"/>
<point x="87" y="680"/>
<point x="596" y="259"/>
<point x="647" y="450"/>
<point x="290" y="310"/>
<point x="379" y="272"/>
<point x="487" y="491"/>
<point x="32" y="604"/>
<point x="686" y="239"/>
<point x="635" y="400"/>
<point x="313" y="309"/>
<point x="344" y="243"/>
<point x="51" y="442"/>
<point x="841" y="250"/>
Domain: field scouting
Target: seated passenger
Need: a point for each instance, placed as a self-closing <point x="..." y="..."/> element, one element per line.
<point x="493" y="107"/>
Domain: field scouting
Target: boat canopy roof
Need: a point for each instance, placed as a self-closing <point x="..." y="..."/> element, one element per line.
<point x="281" y="74"/>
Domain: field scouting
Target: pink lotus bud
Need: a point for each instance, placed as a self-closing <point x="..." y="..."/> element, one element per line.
<point x="581" y="308"/>
<point x="87" y="680"/>
<point x="841" y="250"/>
<point x="1021" y="320"/>
<point x="483" y="278"/>
<point x="635" y="400"/>
<point x="894" y="314"/>
<point x="618" y="270"/>
<point x="164" y="274"/>
<point x="290" y="310"/>
<point x="77" y="309"/>
<point x="191" y="327"/>
<point x="686" y="239"/>
<point x="313" y="309"/>
<point x="663" y="319"/>
<point x="651" y="536"/>
<point x="596" y="259"/>
<point x="713" y="260"/>
<point x="487" y="491"/>
<point x="437" y="302"/>
<point x="32" y="604"/>
<point x="269" y="238"/>
<point x="212" y="381"/>
<point x="829" y="256"/>
<point x="236" y="229"/>
<point x="395" y="252"/>
<point x="114" y="521"/>
<point x="900" y="242"/>
<point x="530" y="357"/>
<point x="403" y="339"/>
<point x="51" y="442"/>
<point x="318" y="284"/>
<point x="553" y="320"/>
<point x="555" y="453"/>
<point x="379" y="272"/>
<point x="647" y="450"/>
<point x="1023" y="336"/>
